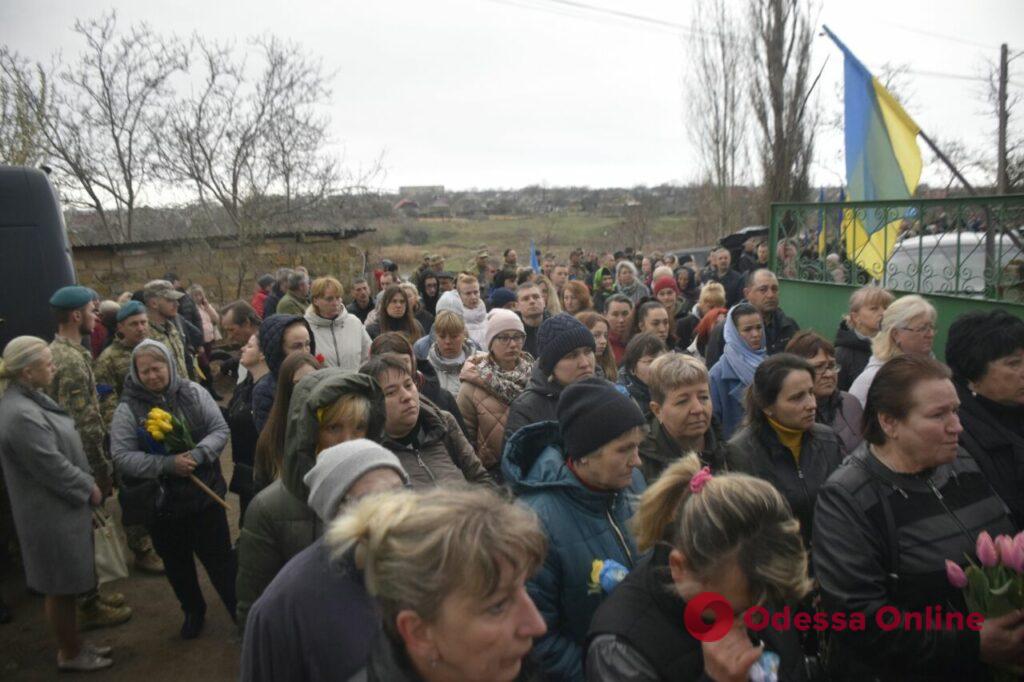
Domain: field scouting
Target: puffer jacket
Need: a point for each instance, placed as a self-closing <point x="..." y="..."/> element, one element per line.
<point x="582" y="526"/>
<point x="483" y="412"/>
<point x="757" y="450"/>
<point x="271" y="334"/>
<point x="343" y="342"/>
<point x="536" y="404"/>
<point x="137" y="455"/>
<point x="441" y="453"/>
<point x="852" y="354"/>
<point x="659" y="450"/>
<point x="278" y="522"/>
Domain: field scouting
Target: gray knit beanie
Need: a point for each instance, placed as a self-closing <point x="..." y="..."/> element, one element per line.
<point x="339" y="467"/>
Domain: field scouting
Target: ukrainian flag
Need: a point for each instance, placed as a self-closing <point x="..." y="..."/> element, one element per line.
<point x="882" y="162"/>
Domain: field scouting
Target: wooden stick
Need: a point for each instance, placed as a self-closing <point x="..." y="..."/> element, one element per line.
<point x="202" y="486"/>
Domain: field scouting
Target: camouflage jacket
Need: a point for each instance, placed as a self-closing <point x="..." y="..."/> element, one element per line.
<point x="111" y="368"/>
<point x="74" y="389"/>
<point x="168" y="334"/>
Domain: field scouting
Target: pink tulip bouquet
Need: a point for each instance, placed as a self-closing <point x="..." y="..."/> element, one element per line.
<point x="996" y="587"/>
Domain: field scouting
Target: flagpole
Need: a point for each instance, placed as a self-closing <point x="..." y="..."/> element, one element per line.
<point x="990" y="238"/>
<point x="945" y="159"/>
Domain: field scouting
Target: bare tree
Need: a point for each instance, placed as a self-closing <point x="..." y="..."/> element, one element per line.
<point x="101" y="122"/>
<point x="780" y="38"/>
<point x="718" y="109"/>
<point x="254" y="145"/>
<point x="21" y="138"/>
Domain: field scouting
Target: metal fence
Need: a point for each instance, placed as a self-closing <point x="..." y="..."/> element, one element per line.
<point x="926" y="246"/>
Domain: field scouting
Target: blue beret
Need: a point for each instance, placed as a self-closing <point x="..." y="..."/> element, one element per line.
<point x="130" y="308"/>
<point x="72" y="298"/>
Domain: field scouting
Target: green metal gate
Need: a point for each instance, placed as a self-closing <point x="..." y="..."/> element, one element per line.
<point x="939" y="248"/>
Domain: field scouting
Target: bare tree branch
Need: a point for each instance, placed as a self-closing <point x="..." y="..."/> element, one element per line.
<point x="716" y="102"/>
<point x="780" y="52"/>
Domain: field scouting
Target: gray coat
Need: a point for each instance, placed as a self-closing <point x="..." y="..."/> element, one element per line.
<point x="49" y="483"/>
<point x="188" y="400"/>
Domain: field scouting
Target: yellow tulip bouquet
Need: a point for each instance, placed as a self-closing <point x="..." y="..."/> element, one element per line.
<point x="168" y="430"/>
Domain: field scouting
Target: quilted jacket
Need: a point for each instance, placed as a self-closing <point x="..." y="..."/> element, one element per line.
<point x="484" y="415"/>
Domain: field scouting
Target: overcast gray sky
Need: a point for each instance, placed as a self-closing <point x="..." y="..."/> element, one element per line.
<point x="505" y="93"/>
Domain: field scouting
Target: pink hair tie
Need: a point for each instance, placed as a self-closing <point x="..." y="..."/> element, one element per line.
<point x="700" y="479"/>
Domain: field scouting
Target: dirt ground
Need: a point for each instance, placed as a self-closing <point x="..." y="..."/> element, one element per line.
<point x="147" y="647"/>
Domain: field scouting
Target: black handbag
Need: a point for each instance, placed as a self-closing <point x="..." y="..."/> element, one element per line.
<point x="140" y="499"/>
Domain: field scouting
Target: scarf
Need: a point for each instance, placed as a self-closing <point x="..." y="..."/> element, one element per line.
<point x="448" y="365"/>
<point x="738" y="355"/>
<point x="506" y="385"/>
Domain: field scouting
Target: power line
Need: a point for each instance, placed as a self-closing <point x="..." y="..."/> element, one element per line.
<point x="940" y="36"/>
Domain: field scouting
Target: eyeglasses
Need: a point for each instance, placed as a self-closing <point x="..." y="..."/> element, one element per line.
<point x="825" y="369"/>
<point x="923" y="329"/>
<point x="510" y="338"/>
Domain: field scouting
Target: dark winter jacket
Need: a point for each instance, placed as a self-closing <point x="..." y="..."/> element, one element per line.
<point x="637" y="390"/>
<point x="536" y="404"/>
<point x="779" y="328"/>
<point x="361" y="313"/>
<point x="992" y="435"/>
<point x="871" y="522"/>
<point x="852" y="354"/>
<point x="243" y="437"/>
<point x="271" y="334"/>
<point x="582" y="526"/>
<point x="137" y="455"/>
<point x="659" y="450"/>
<point x="440" y="454"/>
<point x="278" y="523"/>
<point x="530" y="345"/>
<point x="638" y="633"/>
<point x="271" y="301"/>
<point x="313" y="623"/>
<point x="732" y="282"/>
<point x="388" y="662"/>
<point x="756" y="450"/>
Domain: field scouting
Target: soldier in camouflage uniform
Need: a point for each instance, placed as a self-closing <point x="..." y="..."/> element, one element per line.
<point x="74" y="389"/>
<point x="161" y="299"/>
<point x="112" y="367"/>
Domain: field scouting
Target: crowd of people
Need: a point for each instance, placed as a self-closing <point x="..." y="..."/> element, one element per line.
<point x="510" y="474"/>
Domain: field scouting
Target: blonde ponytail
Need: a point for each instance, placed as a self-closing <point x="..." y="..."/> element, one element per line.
<point x="416" y="548"/>
<point x="659" y="506"/>
<point x="731" y="516"/>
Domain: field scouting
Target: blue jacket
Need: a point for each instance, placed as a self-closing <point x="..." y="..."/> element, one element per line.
<point x="582" y="526"/>
<point x="727" y="397"/>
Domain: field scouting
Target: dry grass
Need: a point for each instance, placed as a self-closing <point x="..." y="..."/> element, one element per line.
<point x="459" y="239"/>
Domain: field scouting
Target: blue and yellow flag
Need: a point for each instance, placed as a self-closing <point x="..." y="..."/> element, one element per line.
<point x="883" y="162"/>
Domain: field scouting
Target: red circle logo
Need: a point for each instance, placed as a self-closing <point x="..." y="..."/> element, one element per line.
<point x="693" y="617"/>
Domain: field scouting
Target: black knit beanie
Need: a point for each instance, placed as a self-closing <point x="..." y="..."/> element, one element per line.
<point x="557" y="337"/>
<point x="592" y="412"/>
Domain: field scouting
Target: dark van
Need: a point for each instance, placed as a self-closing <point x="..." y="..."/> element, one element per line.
<point x="35" y="255"/>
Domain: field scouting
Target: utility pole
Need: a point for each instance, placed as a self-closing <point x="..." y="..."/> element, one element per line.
<point x="1003" y="116"/>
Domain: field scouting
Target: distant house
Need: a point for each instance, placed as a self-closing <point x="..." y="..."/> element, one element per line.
<point x="408" y="207"/>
